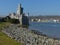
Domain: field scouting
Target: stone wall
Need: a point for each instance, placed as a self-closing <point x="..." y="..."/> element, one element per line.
<point x="27" y="37"/>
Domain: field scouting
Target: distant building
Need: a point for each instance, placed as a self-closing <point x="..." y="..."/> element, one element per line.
<point x="20" y="15"/>
<point x="38" y="20"/>
<point x="55" y="20"/>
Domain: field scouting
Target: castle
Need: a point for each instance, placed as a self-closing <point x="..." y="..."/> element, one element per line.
<point x="20" y="15"/>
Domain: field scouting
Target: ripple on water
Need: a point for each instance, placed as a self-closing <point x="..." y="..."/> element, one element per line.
<point x="51" y="29"/>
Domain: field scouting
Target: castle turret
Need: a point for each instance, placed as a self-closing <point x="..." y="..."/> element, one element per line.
<point x="19" y="10"/>
<point x="23" y="19"/>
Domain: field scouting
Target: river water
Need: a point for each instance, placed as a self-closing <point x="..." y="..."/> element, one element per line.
<point x="48" y="28"/>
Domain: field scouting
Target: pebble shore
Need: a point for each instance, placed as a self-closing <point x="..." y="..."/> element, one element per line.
<point x="28" y="37"/>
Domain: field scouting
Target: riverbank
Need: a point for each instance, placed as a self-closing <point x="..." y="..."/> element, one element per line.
<point x="28" y="37"/>
<point x="4" y="39"/>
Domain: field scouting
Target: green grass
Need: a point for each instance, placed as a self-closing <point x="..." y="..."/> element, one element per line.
<point x="3" y="24"/>
<point x="4" y="39"/>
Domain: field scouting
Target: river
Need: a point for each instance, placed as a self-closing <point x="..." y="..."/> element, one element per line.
<point x="48" y="28"/>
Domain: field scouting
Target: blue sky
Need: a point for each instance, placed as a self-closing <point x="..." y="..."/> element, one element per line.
<point x="34" y="7"/>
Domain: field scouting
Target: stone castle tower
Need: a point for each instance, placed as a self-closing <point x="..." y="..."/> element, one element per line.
<point x="20" y="15"/>
<point x="19" y="10"/>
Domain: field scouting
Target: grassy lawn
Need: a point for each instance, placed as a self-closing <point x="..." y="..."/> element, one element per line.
<point x="4" y="39"/>
<point x="3" y="24"/>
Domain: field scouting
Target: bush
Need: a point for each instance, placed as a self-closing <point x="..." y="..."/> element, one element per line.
<point x="15" y="21"/>
<point x="8" y="19"/>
